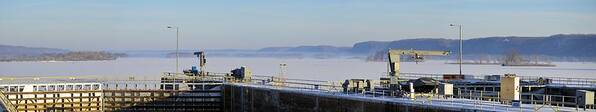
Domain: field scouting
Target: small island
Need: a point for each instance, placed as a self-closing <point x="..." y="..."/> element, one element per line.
<point x="68" y="56"/>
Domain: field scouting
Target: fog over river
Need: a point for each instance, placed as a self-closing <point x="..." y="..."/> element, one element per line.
<point x="307" y="68"/>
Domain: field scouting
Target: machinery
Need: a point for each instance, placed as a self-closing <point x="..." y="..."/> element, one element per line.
<point x="510" y="88"/>
<point x="394" y="59"/>
<point x="358" y="85"/>
<point x="584" y="98"/>
<point x="202" y="62"/>
<point x="425" y="84"/>
<point x="394" y="55"/>
<point x="242" y="74"/>
<point x="445" y="89"/>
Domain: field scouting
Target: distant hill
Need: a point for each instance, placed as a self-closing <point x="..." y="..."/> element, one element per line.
<point x="7" y="50"/>
<point x="21" y="53"/>
<point x="70" y="56"/>
<point x="563" y="46"/>
<point x="570" y="45"/>
<point x="321" y="48"/>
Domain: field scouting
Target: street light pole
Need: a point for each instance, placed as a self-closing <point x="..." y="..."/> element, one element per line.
<point x="177" y="43"/>
<point x="461" y="41"/>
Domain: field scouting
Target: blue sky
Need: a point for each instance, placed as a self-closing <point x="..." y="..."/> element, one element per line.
<point x="253" y="24"/>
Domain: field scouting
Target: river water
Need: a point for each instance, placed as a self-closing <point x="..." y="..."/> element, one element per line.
<point x="317" y="69"/>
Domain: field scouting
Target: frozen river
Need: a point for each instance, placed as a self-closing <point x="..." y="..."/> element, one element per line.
<point x="320" y="69"/>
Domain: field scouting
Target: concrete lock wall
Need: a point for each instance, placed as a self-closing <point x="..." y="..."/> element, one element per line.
<point x="254" y="99"/>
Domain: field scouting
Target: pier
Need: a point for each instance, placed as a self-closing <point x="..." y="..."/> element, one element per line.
<point x="222" y="92"/>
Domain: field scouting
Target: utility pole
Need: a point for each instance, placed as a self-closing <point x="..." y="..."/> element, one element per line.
<point x="177" y="43"/>
<point x="461" y="42"/>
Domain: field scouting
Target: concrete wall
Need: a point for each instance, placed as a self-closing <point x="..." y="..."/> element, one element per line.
<point x="253" y="99"/>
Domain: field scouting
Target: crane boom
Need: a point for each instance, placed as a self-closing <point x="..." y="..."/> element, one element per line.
<point x="394" y="56"/>
<point x="418" y="52"/>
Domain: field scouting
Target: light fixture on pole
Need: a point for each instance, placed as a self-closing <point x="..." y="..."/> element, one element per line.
<point x="177" y="32"/>
<point x="461" y="42"/>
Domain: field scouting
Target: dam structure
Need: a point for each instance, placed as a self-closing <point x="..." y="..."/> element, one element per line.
<point x="241" y="91"/>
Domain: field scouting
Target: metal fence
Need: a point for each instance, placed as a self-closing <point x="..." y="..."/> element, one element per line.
<point x="478" y="99"/>
<point x="579" y="82"/>
<point x="6" y="103"/>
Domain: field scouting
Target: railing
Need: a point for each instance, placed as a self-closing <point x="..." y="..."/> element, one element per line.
<point x="581" y="82"/>
<point x="480" y="98"/>
<point x="328" y="86"/>
<point x="538" y="101"/>
<point x="7" y="104"/>
<point x="130" y="91"/>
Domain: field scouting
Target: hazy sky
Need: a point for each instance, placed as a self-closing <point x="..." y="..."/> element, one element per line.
<point x="252" y="24"/>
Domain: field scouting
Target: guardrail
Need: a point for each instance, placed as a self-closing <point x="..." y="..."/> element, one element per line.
<point x="579" y="82"/>
<point x="6" y="103"/>
<point x="555" y="81"/>
<point x="537" y="100"/>
<point x="481" y="98"/>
